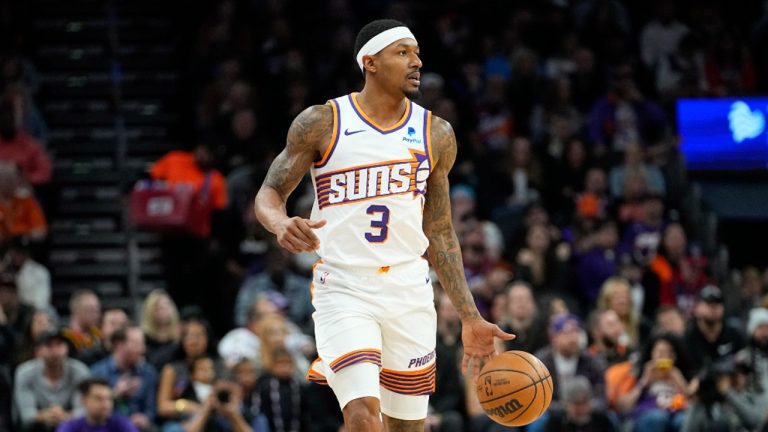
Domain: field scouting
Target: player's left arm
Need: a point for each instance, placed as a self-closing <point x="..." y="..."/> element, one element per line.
<point x="445" y="252"/>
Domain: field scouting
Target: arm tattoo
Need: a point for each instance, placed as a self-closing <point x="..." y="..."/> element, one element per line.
<point x="444" y="250"/>
<point x="307" y="134"/>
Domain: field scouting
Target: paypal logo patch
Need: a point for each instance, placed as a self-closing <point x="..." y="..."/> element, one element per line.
<point x="745" y="123"/>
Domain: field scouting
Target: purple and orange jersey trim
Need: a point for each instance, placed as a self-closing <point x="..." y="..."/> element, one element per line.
<point x="370" y="355"/>
<point x="370" y="122"/>
<point x="315" y="376"/>
<point x="428" y="138"/>
<point x="418" y="382"/>
<point x="334" y="137"/>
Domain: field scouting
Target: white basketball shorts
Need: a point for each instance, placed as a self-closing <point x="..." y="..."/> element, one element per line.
<point x="375" y="332"/>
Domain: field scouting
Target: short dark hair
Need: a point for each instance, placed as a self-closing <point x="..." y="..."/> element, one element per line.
<point x="196" y="361"/>
<point x="87" y="384"/>
<point x="121" y="334"/>
<point x="370" y="30"/>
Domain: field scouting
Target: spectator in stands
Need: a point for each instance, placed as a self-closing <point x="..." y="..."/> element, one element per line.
<point x="652" y="392"/>
<point x="218" y="402"/>
<point x="45" y="388"/>
<point x="600" y="261"/>
<point x="670" y="319"/>
<point x="42" y="320"/>
<point x="522" y="179"/>
<point x="565" y="178"/>
<point x="609" y="338"/>
<point x="16" y="68"/>
<point x="751" y="289"/>
<point x="565" y="358"/>
<point x="661" y="36"/>
<point x="112" y="320"/>
<point x="593" y="201"/>
<point x="85" y="316"/>
<point x="682" y="73"/>
<point x="755" y="354"/>
<point x="282" y="393"/>
<point x="97" y="399"/>
<point x="523" y="319"/>
<point x="643" y="236"/>
<point x="32" y="278"/>
<point x="586" y="81"/>
<point x="243" y="342"/>
<point x="22" y="149"/>
<point x="542" y="262"/>
<point x="15" y="314"/>
<point x="133" y="379"/>
<point x="729" y="67"/>
<point x="616" y="295"/>
<point x="278" y="277"/>
<point x="196" y="168"/>
<point x="554" y="120"/>
<point x="174" y="377"/>
<point x="161" y="325"/>
<point x="634" y="163"/>
<point x="245" y="375"/>
<point x="26" y="113"/>
<point x="273" y="335"/>
<point x="678" y="276"/>
<point x="188" y="261"/>
<point x="624" y="116"/>
<point x="725" y="401"/>
<point x="708" y="335"/>
<point x="20" y="214"/>
<point x="447" y="405"/>
<point x="579" y="413"/>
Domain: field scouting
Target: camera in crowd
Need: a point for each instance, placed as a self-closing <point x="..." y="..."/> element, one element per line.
<point x="721" y="376"/>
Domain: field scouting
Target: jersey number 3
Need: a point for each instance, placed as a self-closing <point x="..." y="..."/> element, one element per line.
<point x="380" y="224"/>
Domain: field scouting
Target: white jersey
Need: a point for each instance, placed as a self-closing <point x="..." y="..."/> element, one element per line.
<point x="370" y="187"/>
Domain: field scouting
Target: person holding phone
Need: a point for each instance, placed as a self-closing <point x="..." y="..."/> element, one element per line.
<point x="219" y="400"/>
<point x="657" y="398"/>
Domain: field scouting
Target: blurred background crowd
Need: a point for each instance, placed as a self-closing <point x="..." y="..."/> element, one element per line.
<point x="580" y="228"/>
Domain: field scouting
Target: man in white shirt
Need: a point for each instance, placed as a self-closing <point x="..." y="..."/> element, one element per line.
<point x="32" y="278"/>
<point x="661" y="36"/>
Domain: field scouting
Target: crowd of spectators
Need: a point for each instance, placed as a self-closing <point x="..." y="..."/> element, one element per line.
<point x="567" y="197"/>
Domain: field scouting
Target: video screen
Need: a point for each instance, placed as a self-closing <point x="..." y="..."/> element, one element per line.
<point x="727" y="134"/>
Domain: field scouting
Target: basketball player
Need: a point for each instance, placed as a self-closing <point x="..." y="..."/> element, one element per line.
<point x="379" y="166"/>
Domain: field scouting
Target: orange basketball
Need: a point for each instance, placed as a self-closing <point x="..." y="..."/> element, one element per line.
<point x="514" y="388"/>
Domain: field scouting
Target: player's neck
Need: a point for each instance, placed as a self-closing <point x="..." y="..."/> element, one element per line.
<point x="383" y="107"/>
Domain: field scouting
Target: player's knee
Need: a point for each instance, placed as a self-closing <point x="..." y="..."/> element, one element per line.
<point x="363" y="415"/>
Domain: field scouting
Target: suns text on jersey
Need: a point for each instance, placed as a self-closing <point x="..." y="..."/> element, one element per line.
<point x="374" y="180"/>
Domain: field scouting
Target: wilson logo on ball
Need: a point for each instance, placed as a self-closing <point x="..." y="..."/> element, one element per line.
<point x="507" y="409"/>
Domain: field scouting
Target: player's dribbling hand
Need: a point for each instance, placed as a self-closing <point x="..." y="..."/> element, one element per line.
<point x="477" y="336"/>
<point x="295" y="234"/>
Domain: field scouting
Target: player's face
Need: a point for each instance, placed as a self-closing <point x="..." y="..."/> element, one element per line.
<point x="398" y="66"/>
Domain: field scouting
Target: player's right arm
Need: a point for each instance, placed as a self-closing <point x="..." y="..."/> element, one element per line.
<point x="309" y="133"/>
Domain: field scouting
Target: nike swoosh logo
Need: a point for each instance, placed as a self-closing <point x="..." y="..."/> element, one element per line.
<point x="348" y="133"/>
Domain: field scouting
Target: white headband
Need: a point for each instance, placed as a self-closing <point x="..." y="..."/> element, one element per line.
<point x="381" y="40"/>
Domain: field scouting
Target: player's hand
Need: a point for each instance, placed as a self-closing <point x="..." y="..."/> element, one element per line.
<point x="295" y="234"/>
<point x="477" y="335"/>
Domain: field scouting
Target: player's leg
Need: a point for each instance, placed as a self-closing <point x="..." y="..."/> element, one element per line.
<point x="363" y="415"/>
<point x="397" y="425"/>
<point x="408" y="368"/>
<point x="350" y="362"/>
<point x="348" y="340"/>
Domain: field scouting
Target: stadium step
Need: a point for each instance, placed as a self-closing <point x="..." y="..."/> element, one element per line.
<point x="107" y="103"/>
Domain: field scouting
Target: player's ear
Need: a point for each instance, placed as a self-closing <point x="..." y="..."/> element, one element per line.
<point x="369" y="63"/>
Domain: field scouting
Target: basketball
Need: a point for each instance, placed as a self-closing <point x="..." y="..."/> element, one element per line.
<point x="514" y="388"/>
